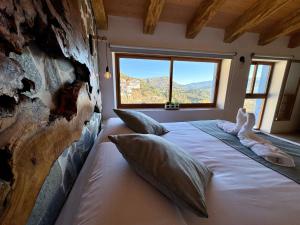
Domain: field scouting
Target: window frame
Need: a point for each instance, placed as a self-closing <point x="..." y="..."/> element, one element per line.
<point x="171" y="59"/>
<point x="263" y="96"/>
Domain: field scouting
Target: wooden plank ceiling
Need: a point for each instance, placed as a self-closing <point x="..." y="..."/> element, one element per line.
<point x="270" y="18"/>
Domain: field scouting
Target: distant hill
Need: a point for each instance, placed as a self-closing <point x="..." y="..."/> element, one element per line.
<point x="198" y="85"/>
<point x="163" y="81"/>
<point x="155" y="90"/>
<point x="158" y="82"/>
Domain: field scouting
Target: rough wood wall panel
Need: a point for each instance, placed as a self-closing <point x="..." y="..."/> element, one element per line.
<point x="34" y="154"/>
<point x="49" y="88"/>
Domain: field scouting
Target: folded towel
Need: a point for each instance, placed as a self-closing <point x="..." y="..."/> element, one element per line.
<point x="273" y="155"/>
<point x="262" y="147"/>
<point x="233" y="128"/>
<point x="249" y="139"/>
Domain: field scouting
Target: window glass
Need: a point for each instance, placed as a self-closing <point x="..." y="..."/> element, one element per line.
<point x="144" y="81"/>
<point x="255" y="106"/>
<point x="250" y="79"/>
<point x="258" y="80"/>
<point x="152" y="81"/>
<point x="262" y="77"/>
<point x="194" y="81"/>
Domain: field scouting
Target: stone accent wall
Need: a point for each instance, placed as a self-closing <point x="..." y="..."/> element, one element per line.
<point x="49" y="89"/>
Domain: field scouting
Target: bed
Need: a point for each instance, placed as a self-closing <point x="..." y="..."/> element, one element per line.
<point x="241" y="191"/>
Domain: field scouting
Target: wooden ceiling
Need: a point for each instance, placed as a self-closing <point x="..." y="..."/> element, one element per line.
<point x="270" y="18"/>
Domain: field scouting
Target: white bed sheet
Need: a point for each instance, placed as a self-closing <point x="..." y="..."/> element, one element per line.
<point x="113" y="126"/>
<point x="109" y="192"/>
<point x="241" y="192"/>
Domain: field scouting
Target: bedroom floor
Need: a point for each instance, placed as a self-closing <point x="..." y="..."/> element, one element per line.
<point x="292" y="136"/>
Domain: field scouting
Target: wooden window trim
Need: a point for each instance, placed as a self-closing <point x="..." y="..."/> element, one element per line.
<point x="253" y="96"/>
<point x="171" y="59"/>
<point x="171" y="80"/>
<point x="263" y="96"/>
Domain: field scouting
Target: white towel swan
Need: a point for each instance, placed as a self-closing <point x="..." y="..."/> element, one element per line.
<point x="233" y="128"/>
<point x="262" y="147"/>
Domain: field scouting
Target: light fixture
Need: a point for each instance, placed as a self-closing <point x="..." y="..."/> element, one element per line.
<point x="107" y="74"/>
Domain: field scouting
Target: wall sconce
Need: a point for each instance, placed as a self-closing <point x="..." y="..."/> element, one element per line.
<point x="242" y="59"/>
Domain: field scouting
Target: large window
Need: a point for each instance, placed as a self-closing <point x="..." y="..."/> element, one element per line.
<point x="151" y="81"/>
<point x="257" y="89"/>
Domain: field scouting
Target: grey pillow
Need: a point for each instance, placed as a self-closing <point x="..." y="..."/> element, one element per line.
<point x="168" y="168"/>
<point x="140" y="123"/>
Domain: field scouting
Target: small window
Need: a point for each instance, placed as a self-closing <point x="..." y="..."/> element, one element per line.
<point x="151" y="81"/>
<point x="257" y="89"/>
<point x="258" y="78"/>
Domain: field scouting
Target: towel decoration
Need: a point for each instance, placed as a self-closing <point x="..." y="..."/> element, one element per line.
<point x="258" y="145"/>
<point x="234" y="128"/>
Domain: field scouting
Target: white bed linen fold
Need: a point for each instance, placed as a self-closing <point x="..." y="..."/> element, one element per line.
<point x="241" y="192"/>
<point x="113" y="126"/>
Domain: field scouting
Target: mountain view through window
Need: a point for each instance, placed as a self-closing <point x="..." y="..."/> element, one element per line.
<point x="144" y="81"/>
<point x="193" y="82"/>
<point x="147" y="81"/>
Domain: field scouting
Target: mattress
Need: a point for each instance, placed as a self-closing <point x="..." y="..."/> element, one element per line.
<point x="241" y="192"/>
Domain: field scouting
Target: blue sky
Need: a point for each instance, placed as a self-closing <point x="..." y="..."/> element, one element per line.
<point x="261" y="80"/>
<point x="184" y="72"/>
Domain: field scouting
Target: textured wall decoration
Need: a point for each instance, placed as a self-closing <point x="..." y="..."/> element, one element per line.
<point x="62" y="176"/>
<point x="49" y="90"/>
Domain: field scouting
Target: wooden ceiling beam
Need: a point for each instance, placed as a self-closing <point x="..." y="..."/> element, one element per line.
<point x="294" y="41"/>
<point x="284" y="27"/>
<point x="206" y="10"/>
<point x="154" y="10"/>
<point x="253" y="16"/>
<point x="100" y="14"/>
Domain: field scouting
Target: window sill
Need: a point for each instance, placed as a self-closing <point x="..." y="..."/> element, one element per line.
<point x="177" y="110"/>
<point x="184" y="114"/>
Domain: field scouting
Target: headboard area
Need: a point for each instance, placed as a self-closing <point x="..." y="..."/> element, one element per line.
<point x="62" y="176"/>
<point x="50" y="104"/>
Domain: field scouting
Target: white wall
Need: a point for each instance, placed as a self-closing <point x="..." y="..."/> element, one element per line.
<point x="128" y="32"/>
<point x="223" y="83"/>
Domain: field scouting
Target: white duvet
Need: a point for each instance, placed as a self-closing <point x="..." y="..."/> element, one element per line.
<point x="241" y="192"/>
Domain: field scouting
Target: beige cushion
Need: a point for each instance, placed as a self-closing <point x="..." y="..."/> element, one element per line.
<point x="140" y="123"/>
<point x="168" y="168"/>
